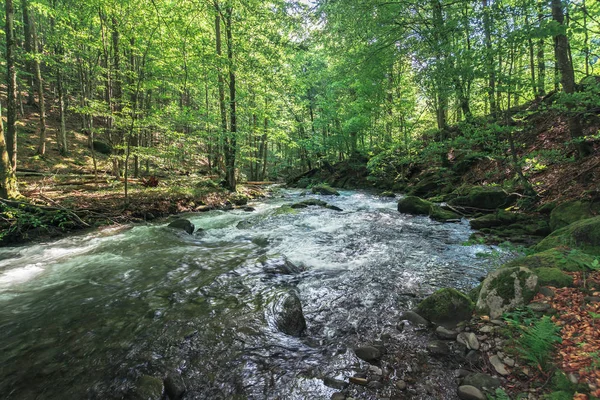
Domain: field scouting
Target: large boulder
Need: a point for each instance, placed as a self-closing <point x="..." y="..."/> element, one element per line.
<point x="484" y="198"/>
<point x="446" y="306"/>
<point x="582" y="235"/>
<point x="288" y="315"/>
<point x="414" y="205"/>
<point x="572" y="211"/>
<point x="506" y="289"/>
<point x="183" y="224"/>
<point x="553" y="277"/>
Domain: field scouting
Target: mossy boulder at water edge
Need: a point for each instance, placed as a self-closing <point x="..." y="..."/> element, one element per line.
<point x="573" y="211"/>
<point x="446" y="305"/>
<point x="483" y="197"/>
<point x="561" y="258"/>
<point x="583" y="235"/>
<point x="506" y="289"/>
<point x="416" y="206"/>
<point x="498" y="218"/>
<point x="325" y="190"/>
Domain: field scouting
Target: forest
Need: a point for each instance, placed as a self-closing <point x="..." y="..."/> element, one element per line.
<point x="470" y="126"/>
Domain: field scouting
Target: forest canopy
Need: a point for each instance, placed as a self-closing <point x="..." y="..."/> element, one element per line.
<point x="258" y="90"/>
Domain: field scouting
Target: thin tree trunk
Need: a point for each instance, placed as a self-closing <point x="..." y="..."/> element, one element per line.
<point x="221" y="80"/>
<point x="41" y="150"/>
<point x="11" y="129"/>
<point x="8" y="180"/>
<point x="489" y="57"/>
<point x="567" y="77"/>
<point x="231" y="142"/>
<point x="27" y="42"/>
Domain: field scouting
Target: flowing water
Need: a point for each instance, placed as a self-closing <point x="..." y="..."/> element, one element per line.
<point x="87" y="316"/>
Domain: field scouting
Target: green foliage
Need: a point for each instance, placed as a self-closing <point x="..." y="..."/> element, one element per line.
<point x="537" y="342"/>
<point x="499" y="394"/>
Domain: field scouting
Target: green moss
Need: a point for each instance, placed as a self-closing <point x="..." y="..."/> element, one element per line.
<point x="498" y="218"/>
<point x="285" y="209"/>
<point x="414" y="205"/>
<point x="504" y="284"/>
<point x="553" y="277"/>
<point x="474" y="293"/>
<point x="573" y="211"/>
<point x="484" y="197"/>
<point x="387" y="194"/>
<point x="325" y="190"/>
<point x="561" y="258"/>
<point x="583" y="235"/>
<point x="437" y="213"/>
<point x="446" y="305"/>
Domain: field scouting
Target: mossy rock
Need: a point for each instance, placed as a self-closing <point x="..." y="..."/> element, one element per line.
<point x="148" y="388"/>
<point x="387" y="194"/>
<point x="325" y="190"/>
<point x="506" y="289"/>
<point x="583" y="235"/>
<point x="572" y="211"/>
<point x="284" y="210"/>
<point x="102" y="147"/>
<point x="561" y="258"/>
<point x="437" y="213"/>
<point x="484" y="197"/>
<point x="499" y="218"/>
<point x="414" y="205"/>
<point x="474" y="293"/>
<point x="553" y="277"/>
<point x="446" y="305"/>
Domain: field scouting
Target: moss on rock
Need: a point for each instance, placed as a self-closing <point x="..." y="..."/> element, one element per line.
<point x="506" y="289"/>
<point x="583" y="235"/>
<point x="499" y="218"/>
<point x="325" y="190"/>
<point x="446" y="305"/>
<point x="484" y="197"/>
<point x="561" y="258"/>
<point x="572" y="211"/>
<point x="417" y="206"/>
<point x="553" y="277"/>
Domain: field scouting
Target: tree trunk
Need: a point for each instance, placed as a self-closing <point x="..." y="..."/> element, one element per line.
<point x="27" y="42"/>
<point x="221" y="80"/>
<point x="41" y="150"/>
<point x="489" y="58"/>
<point x="11" y="129"/>
<point x="567" y="78"/>
<point x="8" y="180"/>
<point x="231" y="140"/>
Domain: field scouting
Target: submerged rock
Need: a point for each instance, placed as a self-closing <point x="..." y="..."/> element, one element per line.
<point x="325" y="190"/>
<point x="289" y="317"/>
<point x="174" y="387"/>
<point x="446" y="306"/>
<point x="183" y="224"/>
<point x="279" y="266"/>
<point x="148" y="388"/>
<point x="506" y="289"/>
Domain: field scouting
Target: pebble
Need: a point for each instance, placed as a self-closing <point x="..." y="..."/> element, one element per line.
<point x="444" y="333"/>
<point x="401" y="385"/>
<point x="592" y="299"/>
<point x="359" y="381"/>
<point x="375" y="370"/>
<point x="498" y="365"/>
<point x="539" y="307"/>
<point x="437" y="347"/>
<point x="338" y="396"/>
<point x="509" y="361"/>
<point x="375" y="385"/>
<point x="546" y="291"/>
<point x="498" y="322"/>
<point x="487" y="329"/>
<point x="414" y="318"/>
<point x="468" y="339"/>
<point x="467" y="392"/>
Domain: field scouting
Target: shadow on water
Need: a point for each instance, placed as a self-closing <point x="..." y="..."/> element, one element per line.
<point x="87" y="316"/>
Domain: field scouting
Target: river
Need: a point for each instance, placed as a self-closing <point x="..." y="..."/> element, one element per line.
<point x="88" y="315"/>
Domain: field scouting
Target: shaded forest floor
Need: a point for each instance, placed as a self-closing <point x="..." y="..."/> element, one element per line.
<point x="73" y="197"/>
